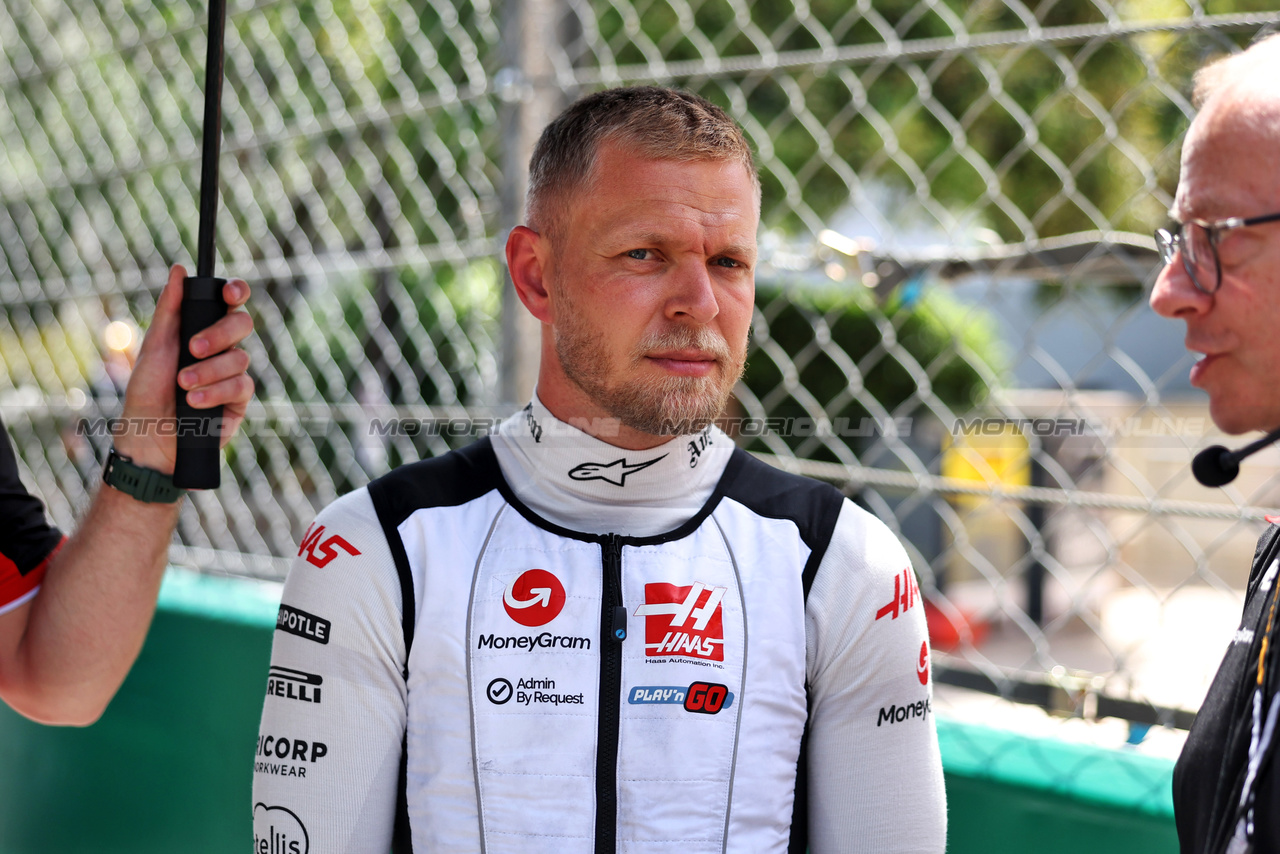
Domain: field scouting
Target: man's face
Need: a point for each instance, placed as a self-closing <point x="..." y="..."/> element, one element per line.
<point x="652" y="286"/>
<point x="1231" y="168"/>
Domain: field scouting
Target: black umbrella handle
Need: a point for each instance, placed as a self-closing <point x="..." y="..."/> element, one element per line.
<point x="199" y="431"/>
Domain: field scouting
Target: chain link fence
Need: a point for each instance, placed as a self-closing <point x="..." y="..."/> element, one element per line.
<point x="951" y="320"/>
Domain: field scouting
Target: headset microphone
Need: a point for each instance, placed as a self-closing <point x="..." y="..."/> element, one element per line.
<point x="1216" y="466"/>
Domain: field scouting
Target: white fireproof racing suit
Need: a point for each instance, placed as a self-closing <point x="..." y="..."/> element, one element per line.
<point x="545" y="643"/>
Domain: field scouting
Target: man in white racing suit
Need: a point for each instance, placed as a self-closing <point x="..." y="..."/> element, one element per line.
<point x="603" y="628"/>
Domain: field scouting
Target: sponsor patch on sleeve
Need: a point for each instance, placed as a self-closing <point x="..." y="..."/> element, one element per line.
<point x="296" y="621"/>
<point x="278" y="830"/>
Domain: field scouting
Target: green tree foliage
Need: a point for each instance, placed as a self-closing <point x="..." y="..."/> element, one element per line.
<point x="1029" y="139"/>
<point x="838" y="355"/>
<point x="356" y="136"/>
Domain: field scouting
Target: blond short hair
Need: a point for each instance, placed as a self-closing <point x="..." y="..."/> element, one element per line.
<point x="665" y="124"/>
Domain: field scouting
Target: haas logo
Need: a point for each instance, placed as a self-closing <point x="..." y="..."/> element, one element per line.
<point x="694" y="625"/>
<point x="905" y="595"/>
<point x="320" y="550"/>
<point x="534" y="599"/>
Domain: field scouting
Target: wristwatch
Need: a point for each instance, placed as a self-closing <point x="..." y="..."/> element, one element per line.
<point x="141" y="482"/>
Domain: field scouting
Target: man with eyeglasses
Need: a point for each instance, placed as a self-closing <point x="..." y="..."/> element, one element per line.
<point x="1222" y="278"/>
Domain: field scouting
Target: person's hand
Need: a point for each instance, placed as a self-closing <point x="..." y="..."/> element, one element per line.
<point x="150" y="395"/>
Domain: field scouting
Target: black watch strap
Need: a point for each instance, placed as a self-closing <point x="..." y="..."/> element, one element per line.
<point x="142" y="483"/>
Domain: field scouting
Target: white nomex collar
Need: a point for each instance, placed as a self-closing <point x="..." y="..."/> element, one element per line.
<point x="579" y="482"/>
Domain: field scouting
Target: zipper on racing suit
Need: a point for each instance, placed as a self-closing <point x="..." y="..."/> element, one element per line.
<point x="613" y="631"/>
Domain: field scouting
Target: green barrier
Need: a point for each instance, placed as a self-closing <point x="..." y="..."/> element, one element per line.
<point x="169" y="767"/>
<point x="1011" y="793"/>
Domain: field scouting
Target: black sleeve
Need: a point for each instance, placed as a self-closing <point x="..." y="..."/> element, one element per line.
<point x="26" y="537"/>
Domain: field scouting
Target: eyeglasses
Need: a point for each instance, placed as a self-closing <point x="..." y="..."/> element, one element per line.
<point x="1198" y="242"/>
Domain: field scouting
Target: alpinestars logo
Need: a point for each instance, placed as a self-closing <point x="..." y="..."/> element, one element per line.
<point x="615" y="472"/>
<point x="535" y="598"/>
<point x="684" y="621"/>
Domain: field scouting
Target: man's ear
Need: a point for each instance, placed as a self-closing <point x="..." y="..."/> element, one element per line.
<point x="527" y="255"/>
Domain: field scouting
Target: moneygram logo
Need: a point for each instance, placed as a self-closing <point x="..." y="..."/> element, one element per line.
<point x="895" y="714"/>
<point x="922" y="666"/>
<point x="534" y="599"/>
<point x="277" y="830"/>
<point x="685" y="621"/>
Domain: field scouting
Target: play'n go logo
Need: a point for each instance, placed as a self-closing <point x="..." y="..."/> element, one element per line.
<point x="535" y="598"/>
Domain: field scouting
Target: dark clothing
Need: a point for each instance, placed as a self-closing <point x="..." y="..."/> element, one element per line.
<point x="26" y="537"/>
<point x="1212" y="770"/>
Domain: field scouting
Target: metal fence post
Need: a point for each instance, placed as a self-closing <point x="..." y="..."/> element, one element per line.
<point x="532" y="97"/>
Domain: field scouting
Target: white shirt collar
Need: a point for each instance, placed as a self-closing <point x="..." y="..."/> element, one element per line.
<point x="585" y="484"/>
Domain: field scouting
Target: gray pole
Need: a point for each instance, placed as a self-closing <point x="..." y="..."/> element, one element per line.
<point x="532" y="99"/>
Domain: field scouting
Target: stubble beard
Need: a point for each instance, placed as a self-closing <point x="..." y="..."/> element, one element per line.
<point x="658" y="406"/>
